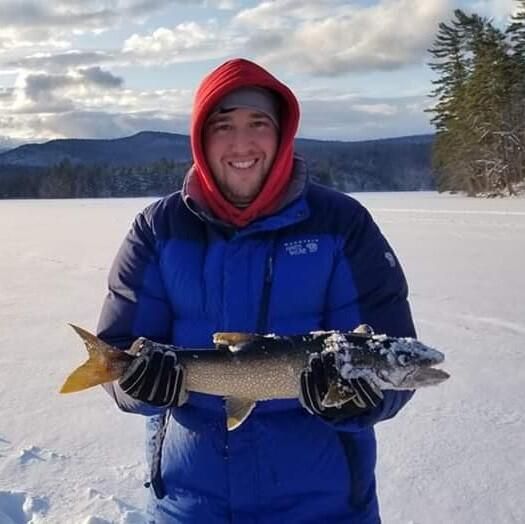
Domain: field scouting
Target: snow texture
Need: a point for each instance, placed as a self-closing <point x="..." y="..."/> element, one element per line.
<point x="455" y="454"/>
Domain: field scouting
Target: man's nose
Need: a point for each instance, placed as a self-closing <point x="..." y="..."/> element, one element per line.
<point x="242" y="141"/>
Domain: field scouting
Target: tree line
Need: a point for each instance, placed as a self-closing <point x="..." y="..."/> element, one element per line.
<point x="479" y="113"/>
<point x="71" y="180"/>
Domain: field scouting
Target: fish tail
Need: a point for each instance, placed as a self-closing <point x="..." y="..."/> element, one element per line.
<point x="93" y="343"/>
<point x="98" y="368"/>
<point x="89" y="374"/>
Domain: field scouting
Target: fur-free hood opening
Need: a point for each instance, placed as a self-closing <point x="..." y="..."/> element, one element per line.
<point x="227" y="77"/>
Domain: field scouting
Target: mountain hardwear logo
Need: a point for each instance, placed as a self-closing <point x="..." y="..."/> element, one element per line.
<point x="302" y="247"/>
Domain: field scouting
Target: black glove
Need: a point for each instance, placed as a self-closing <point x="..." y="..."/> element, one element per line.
<point x="315" y="380"/>
<point x="155" y="377"/>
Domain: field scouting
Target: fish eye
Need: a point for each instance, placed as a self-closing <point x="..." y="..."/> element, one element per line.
<point x="403" y="359"/>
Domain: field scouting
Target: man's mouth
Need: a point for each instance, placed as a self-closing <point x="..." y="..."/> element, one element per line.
<point x="245" y="164"/>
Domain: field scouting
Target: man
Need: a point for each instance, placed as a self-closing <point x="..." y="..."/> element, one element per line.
<point x="249" y="244"/>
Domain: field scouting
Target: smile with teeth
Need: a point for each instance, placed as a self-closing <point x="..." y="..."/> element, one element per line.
<point x="246" y="164"/>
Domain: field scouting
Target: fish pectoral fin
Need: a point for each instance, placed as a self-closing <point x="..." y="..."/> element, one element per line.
<point x="237" y="411"/>
<point x="338" y="395"/>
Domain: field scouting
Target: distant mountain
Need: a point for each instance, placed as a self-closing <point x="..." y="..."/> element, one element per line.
<point x="137" y="150"/>
<point x="7" y="144"/>
<point x="391" y="164"/>
<point x="139" y="164"/>
<point x="149" y="146"/>
<point x="412" y="139"/>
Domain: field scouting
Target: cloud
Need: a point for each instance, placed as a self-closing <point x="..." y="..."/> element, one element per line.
<point x="144" y="7"/>
<point x="315" y="37"/>
<point x="8" y="143"/>
<point x="344" y="116"/>
<point x="60" y="61"/>
<point x="326" y="113"/>
<point x="85" y="15"/>
<point x="381" y="37"/>
<point x="6" y="94"/>
<point x="30" y="27"/>
<point x="360" y="119"/>
<point x="284" y="13"/>
<point x="187" y="41"/>
<point x="97" y="77"/>
<point x="88" y="102"/>
<point x="223" y="4"/>
<point x="38" y="85"/>
<point x="13" y="40"/>
<point x="41" y="86"/>
<point x="58" y="93"/>
<point x="498" y="10"/>
<point x="82" y="15"/>
<point x="60" y="15"/>
<point x="173" y="101"/>
<point x="28" y="23"/>
<point x="100" y="124"/>
<point x="63" y="89"/>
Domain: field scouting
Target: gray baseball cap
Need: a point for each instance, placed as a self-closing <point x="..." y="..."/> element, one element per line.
<point x="252" y="97"/>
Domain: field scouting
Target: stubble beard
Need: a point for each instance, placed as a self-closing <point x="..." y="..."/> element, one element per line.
<point x="243" y="199"/>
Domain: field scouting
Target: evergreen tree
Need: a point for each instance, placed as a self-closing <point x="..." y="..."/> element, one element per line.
<point x="516" y="34"/>
<point x="451" y="63"/>
<point x="451" y="66"/>
<point x="480" y="109"/>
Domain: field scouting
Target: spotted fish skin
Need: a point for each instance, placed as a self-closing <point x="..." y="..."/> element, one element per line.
<point x="246" y="368"/>
<point x="255" y="371"/>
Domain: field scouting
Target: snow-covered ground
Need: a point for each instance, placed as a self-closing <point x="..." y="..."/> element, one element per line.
<point x="456" y="454"/>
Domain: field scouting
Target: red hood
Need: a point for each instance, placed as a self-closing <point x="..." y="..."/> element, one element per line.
<point x="227" y="77"/>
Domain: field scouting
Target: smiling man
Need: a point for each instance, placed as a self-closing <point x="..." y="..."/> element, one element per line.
<point x="251" y="245"/>
<point x="241" y="137"/>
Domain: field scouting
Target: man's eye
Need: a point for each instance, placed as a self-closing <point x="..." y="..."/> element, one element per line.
<point x="260" y="123"/>
<point x="221" y="127"/>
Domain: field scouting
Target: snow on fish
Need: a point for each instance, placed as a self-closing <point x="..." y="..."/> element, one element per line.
<point x="245" y="368"/>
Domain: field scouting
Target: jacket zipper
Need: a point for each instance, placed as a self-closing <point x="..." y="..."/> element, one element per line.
<point x="262" y="322"/>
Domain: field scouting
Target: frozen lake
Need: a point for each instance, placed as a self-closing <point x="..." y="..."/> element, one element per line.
<point x="456" y="454"/>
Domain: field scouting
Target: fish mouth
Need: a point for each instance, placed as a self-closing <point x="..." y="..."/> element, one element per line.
<point x="428" y="376"/>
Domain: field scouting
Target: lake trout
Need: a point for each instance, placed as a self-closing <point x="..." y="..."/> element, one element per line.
<point x="246" y="368"/>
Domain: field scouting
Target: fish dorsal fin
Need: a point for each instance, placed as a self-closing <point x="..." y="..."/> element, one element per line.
<point x="338" y="395"/>
<point x="363" y="329"/>
<point x="232" y="338"/>
<point x="237" y="411"/>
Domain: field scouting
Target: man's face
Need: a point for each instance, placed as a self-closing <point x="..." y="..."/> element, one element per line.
<point x="240" y="147"/>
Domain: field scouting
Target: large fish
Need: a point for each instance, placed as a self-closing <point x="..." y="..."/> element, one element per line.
<point x="246" y="368"/>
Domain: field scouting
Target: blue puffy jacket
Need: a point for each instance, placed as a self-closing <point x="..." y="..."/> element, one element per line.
<point x="319" y="263"/>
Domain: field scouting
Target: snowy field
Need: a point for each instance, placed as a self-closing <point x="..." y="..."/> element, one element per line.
<point x="456" y="454"/>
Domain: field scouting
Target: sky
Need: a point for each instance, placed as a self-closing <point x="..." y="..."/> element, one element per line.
<point x="455" y="454"/>
<point x="111" y="68"/>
